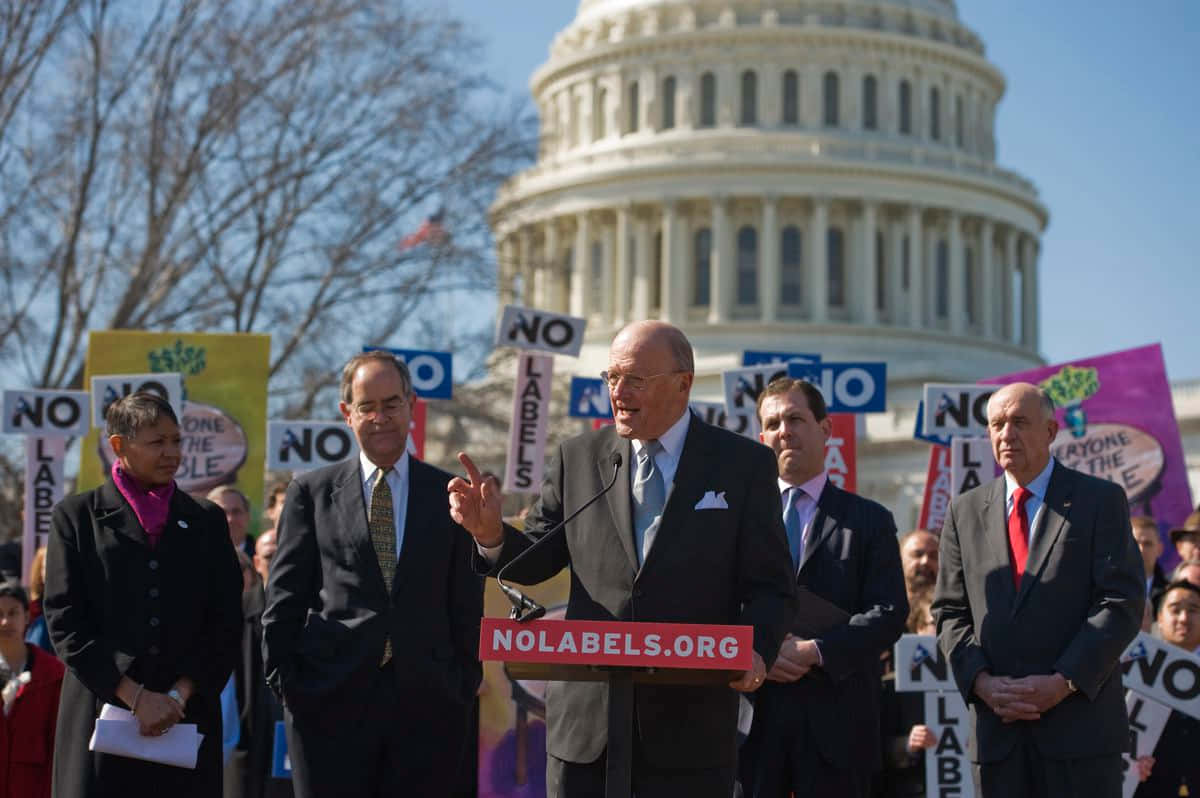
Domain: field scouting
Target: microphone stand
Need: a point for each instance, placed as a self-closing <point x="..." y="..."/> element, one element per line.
<point x="525" y="609"/>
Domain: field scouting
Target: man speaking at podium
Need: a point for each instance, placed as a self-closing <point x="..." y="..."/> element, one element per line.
<point x="689" y="533"/>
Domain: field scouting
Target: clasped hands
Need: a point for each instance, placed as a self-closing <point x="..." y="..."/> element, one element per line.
<point x="1021" y="698"/>
<point x="796" y="658"/>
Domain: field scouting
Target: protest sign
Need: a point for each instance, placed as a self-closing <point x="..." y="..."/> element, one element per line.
<point x="1163" y="672"/>
<point x="956" y="410"/>
<point x="752" y="357"/>
<point x="841" y="451"/>
<point x="971" y="463"/>
<point x="432" y="371"/>
<point x="938" y="490"/>
<point x="589" y="398"/>
<point x="919" y="429"/>
<point x="847" y="387"/>
<point x="49" y="413"/>
<point x="1147" y="718"/>
<point x="714" y="413"/>
<point x="305" y="445"/>
<point x="526" y="460"/>
<point x="109" y="388"/>
<point x="743" y="387"/>
<point x="922" y="667"/>
<point x="45" y="486"/>
<point x="527" y="328"/>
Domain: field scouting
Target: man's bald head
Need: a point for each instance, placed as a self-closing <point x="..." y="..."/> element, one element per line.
<point x="1021" y="426"/>
<point x="649" y="375"/>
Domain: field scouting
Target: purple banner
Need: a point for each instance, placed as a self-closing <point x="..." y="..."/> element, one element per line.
<point x="1118" y="422"/>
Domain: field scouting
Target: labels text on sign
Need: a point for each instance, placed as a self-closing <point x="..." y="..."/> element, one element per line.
<point x="37" y="412"/>
<point x="527" y="328"/>
<point x="530" y="422"/>
<point x="971" y="463"/>
<point x="45" y="486"/>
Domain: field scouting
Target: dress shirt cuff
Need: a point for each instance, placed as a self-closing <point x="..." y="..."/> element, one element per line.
<point x="490" y="554"/>
<point x="820" y="656"/>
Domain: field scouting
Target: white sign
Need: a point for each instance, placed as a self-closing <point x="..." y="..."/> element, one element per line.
<point x="743" y="387"/>
<point x="1164" y="672"/>
<point x="36" y="412"/>
<point x="526" y="328"/>
<point x="920" y="665"/>
<point x="108" y="388"/>
<point x="714" y="413"/>
<point x="305" y="445"/>
<point x="1146" y="721"/>
<point x="971" y="463"/>
<point x="957" y="409"/>
<point x="530" y="422"/>
<point x="947" y="767"/>
<point x="45" y="487"/>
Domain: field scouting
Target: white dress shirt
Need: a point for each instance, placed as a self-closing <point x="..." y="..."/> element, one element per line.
<point x="397" y="480"/>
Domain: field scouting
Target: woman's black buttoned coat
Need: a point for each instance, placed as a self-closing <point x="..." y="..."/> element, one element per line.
<point x="115" y="606"/>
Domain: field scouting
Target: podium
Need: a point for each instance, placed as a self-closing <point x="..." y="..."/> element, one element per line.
<point x="622" y="654"/>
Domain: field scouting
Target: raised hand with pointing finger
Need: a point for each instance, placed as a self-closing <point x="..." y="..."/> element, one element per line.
<point x="475" y="505"/>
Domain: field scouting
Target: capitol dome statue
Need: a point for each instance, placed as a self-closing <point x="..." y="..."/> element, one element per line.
<point x="784" y="175"/>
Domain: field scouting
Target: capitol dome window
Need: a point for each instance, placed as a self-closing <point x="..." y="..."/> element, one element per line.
<point x="870" y="90"/>
<point x="958" y="121"/>
<point x="905" y="107"/>
<point x="880" y="273"/>
<point x="633" y="107"/>
<point x="791" y="276"/>
<point x="836" y="253"/>
<point x="668" y="102"/>
<point x="708" y="100"/>
<point x="597" y="288"/>
<point x="831" y="99"/>
<point x="747" y="266"/>
<point x="749" y="98"/>
<point x="942" y="281"/>
<point x="935" y="114"/>
<point x="701" y="266"/>
<point x="969" y="286"/>
<point x="904" y="267"/>
<point x="791" y="98"/>
<point x="598" y="116"/>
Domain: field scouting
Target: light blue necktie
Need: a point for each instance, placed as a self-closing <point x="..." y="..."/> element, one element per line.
<point x="649" y="495"/>
<point x="792" y="523"/>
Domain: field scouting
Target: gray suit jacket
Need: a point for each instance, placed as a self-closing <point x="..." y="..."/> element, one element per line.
<point x="1078" y="607"/>
<point x="722" y="566"/>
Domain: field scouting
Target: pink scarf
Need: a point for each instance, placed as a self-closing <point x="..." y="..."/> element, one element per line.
<point x="150" y="506"/>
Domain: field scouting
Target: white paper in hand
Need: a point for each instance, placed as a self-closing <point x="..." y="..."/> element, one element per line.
<point x="117" y="733"/>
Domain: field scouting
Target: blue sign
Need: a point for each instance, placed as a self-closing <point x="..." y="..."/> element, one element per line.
<point x="281" y="765"/>
<point x="751" y="357"/>
<point x="919" y="432"/>
<point x="431" y="371"/>
<point x="847" y="387"/>
<point x="589" y="398"/>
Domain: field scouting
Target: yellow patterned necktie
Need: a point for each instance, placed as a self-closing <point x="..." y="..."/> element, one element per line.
<point x="382" y="526"/>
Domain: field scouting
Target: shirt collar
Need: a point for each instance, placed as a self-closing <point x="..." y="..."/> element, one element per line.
<point x="671" y="440"/>
<point x="1037" y="486"/>
<point x="814" y="487"/>
<point x="367" y="469"/>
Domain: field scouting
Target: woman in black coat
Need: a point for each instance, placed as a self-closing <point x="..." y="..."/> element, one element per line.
<point x="143" y="603"/>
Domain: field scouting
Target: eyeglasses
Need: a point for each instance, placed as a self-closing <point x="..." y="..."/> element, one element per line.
<point x="632" y="382"/>
<point x="390" y="408"/>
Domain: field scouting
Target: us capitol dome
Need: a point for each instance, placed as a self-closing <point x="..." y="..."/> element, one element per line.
<point x="783" y="175"/>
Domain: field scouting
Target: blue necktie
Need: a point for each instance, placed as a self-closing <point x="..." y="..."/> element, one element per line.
<point x="649" y="495"/>
<point x="793" y="524"/>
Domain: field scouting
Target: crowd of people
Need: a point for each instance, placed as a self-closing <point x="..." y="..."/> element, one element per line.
<point x="351" y="619"/>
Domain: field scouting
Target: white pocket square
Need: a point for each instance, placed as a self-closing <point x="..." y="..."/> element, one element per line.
<point x="712" y="500"/>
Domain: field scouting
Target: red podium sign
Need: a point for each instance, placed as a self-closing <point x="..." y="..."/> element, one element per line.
<point x="617" y="643"/>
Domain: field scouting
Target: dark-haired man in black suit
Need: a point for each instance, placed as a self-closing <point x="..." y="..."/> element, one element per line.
<point x="816" y="721"/>
<point x="372" y="620"/>
<point x="687" y="535"/>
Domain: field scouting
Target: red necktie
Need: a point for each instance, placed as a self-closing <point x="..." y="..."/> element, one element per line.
<point x="1018" y="534"/>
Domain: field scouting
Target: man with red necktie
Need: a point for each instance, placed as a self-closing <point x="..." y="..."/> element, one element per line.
<point x="1039" y="592"/>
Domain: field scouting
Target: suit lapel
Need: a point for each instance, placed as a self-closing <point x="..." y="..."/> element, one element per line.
<point x="620" y="498"/>
<point x="824" y="522"/>
<point x="347" y="495"/>
<point x="113" y="512"/>
<point x="1055" y="509"/>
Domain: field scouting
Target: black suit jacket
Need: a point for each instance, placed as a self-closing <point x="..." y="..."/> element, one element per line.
<point x="852" y="560"/>
<point x="328" y="611"/>
<point x="115" y="606"/>
<point x="706" y="566"/>
<point x="1079" y="605"/>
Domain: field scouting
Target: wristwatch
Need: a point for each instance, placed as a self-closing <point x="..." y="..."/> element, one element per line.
<point x="178" y="696"/>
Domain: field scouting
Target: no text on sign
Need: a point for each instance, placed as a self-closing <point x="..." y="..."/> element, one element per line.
<point x="847" y="387"/>
<point x="304" y="445"/>
<point x="956" y="409"/>
<point x="46" y="413"/>
<point x="108" y="388"/>
<point x="432" y="371"/>
<point x="527" y="328"/>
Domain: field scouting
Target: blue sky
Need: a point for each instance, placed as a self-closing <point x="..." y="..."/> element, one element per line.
<point x="1102" y="112"/>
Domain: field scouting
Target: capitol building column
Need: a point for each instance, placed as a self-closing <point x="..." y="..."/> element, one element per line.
<point x="642" y="268"/>
<point x="607" y="259"/>
<point x="990" y="298"/>
<point x="769" y="289"/>
<point x="624" y="279"/>
<point x="672" y="286"/>
<point x="819" y="260"/>
<point x="721" y="260"/>
<point x="1029" y="338"/>
<point x="916" y="269"/>
<point x="580" y="266"/>
<point x="868" y="275"/>
<point x="1011" y="335"/>
<point x="897" y="292"/>
<point x="956" y="285"/>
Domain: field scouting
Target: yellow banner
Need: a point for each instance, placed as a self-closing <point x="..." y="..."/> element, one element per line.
<point x="224" y="419"/>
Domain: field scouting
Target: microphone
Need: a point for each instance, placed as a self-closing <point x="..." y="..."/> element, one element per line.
<point x="524" y="608"/>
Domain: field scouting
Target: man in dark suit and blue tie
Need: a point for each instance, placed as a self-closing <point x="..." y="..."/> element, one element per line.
<point x="816" y="721"/>
<point x="689" y="534"/>
<point x="372" y="621"/>
<point x="1040" y="589"/>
